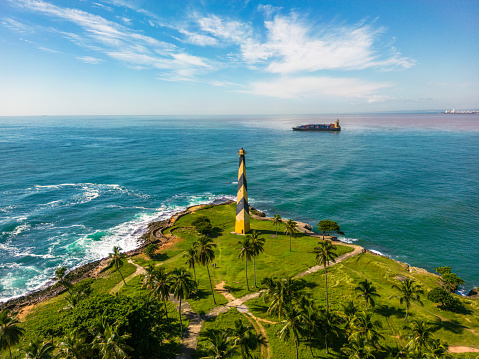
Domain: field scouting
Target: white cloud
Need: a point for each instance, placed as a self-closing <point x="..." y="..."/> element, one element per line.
<point x="310" y="87"/>
<point x="89" y="60"/>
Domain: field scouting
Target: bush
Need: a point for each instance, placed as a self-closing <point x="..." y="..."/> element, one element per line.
<point x="203" y="225"/>
<point x="446" y="299"/>
<point x="150" y="250"/>
<point x="450" y="281"/>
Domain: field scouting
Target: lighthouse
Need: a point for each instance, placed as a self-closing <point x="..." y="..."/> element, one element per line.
<point x="242" y="206"/>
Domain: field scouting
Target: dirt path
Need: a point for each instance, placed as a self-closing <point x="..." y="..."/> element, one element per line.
<point x="463" y="350"/>
<point x="139" y="270"/>
<point x="357" y="250"/>
<point x="243" y="309"/>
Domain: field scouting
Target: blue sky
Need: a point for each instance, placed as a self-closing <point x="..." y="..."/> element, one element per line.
<point x="119" y="57"/>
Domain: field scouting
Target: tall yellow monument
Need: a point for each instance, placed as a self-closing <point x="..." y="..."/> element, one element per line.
<point x="242" y="206"/>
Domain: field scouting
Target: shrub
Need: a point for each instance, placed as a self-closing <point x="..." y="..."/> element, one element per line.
<point x="446" y="299"/>
<point x="203" y="225"/>
<point x="150" y="250"/>
<point x="450" y="281"/>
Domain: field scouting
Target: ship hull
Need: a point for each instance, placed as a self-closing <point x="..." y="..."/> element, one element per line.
<point x="318" y="129"/>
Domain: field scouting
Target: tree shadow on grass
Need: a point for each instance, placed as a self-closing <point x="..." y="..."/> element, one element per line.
<point x="453" y="326"/>
<point x="215" y="232"/>
<point x="233" y="289"/>
<point x="159" y="257"/>
<point x="259" y="308"/>
<point x="388" y="311"/>
<point x="200" y="294"/>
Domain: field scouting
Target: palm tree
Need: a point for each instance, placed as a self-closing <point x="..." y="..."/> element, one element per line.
<point x="220" y="344"/>
<point x="116" y="259"/>
<point x="325" y="252"/>
<point x="111" y="344"/>
<point x="292" y="326"/>
<point x="349" y="311"/>
<point x="330" y="323"/>
<point x="437" y="348"/>
<point x="277" y="220"/>
<point x="158" y="282"/>
<point x="205" y="254"/>
<point x="310" y="319"/>
<point x="364" y="326"/>
<point x="181" y="287"/>
<point x="367" y="291"/>
<point x="190" y="256"/>
<point x="357" y="348"/>
<point x="257" y="246"/>
<point x="409" y="291"/>
<point x="281" y="293"/>
<point x="246" y="253"/>
<point x="38" y="350"/>
<point x="61" y="278"/>
<point x="420" y="337"/>
<point x="73" y="346"/>
<point x="290" y="230"/>
<point x="244" y="339"/>
<point x="10" y="332"/>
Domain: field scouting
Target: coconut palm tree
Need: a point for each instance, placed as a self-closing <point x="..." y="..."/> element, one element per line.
<point x="244" y="339"/>
<point x="281" y="293"/>
<point x="257" y="246"/>
<point x="116" y="259"/>
<point x="357" y="348"/>
<point x="420" y="336"/>
<point x="277" y="220"/>
<point x="368" y="292"/>
<point x="181" y="286"/>
<point x="61" y="278"/>
<point x="290" y="230"/>
<point x="220" y="344"/>
<point x="325" y="252"/>
<point x="158" y="282"/>
<point x="190" y="256"/>
<point x="246" y="253"/>
<point x="437" y="348"/>
<point x="205" y="254"/>
<point x="39" y="350"/>
<point x="111" y="344"/>
<point x="310" y="319"/>
<point x="349" y="312"/>
<point x="364" y="326"/>
<point x="10" y="332"/>
<point x="73" y="346"/>
<point x="292" y="326"/>
<point x="330" y="324"/>
<point x="409" y="292"/>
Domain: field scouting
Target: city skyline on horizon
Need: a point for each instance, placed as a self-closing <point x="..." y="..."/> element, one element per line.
<point x="133" y="57"/>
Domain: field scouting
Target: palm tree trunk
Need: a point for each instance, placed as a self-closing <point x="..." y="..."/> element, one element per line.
<point x="326" y="339"/>
<point x="290" y="242"/>
<point x="406" y="314"/>
<point x="166" y="312"/>
<point x="211" y="285"/>
<point x="194" y="271"/>
<point x="310" y="341"/>
<point x="247" y="284"/>
<point x="276" y="229"/>
<point x="296" y="345"/>
<point x="181" y="324"/>
<point x="326" y="279"/>
<point x="10" y="351"/>
<point x="254" y="272"/>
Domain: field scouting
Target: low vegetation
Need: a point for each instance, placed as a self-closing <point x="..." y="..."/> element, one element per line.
<point x="359" y="307"/>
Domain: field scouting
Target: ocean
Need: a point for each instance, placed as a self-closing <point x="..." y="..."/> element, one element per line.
<point x="404" y="185"/>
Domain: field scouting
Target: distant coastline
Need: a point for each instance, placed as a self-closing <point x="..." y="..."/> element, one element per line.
<point x="458" y="112"/>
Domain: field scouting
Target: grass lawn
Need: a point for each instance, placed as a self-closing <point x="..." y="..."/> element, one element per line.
<point x="229" y="268"/>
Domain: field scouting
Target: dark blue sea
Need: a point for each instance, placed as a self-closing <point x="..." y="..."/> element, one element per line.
<point x="71" y="188"/>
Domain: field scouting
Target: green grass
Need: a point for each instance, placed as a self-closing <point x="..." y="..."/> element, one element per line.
<point x="454" y="328"/>
<point x="222" y="322"/>
<point x="229" y="268"/>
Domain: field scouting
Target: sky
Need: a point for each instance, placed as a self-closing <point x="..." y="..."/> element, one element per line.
<point x="139" y="57"/>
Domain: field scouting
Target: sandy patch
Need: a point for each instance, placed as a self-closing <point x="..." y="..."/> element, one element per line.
<point x="463" y="350"/>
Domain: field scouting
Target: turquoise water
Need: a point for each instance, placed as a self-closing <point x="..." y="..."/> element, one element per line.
<point x="73" y="187"/>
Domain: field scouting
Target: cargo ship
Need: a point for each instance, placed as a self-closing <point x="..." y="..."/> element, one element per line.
<point x="319" y="127"/>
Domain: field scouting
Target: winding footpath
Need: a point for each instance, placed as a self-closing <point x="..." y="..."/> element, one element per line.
<point x="196" y="321"/>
